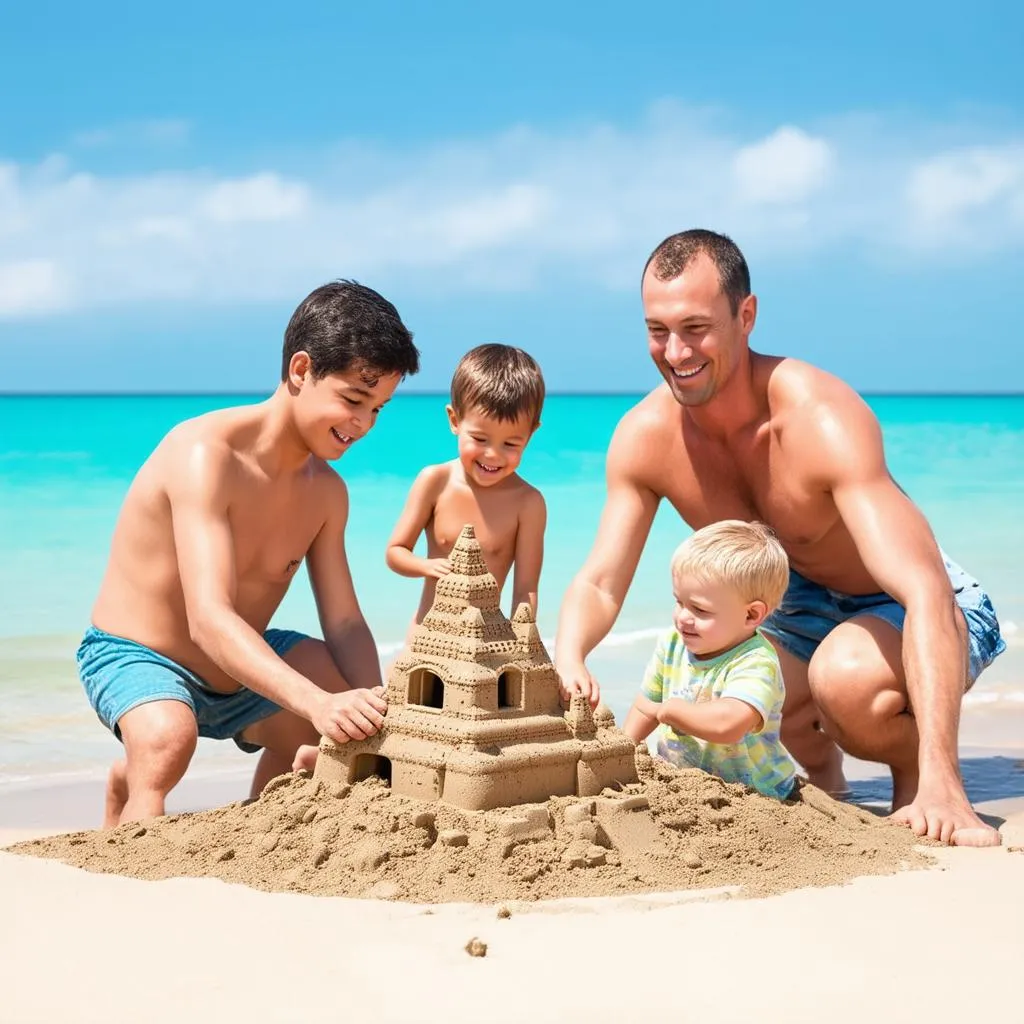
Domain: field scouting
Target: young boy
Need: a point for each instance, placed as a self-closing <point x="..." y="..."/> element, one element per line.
<point x="211" y="534"/>
<point x="714" y="684"/>
<point x="496" y="398"/>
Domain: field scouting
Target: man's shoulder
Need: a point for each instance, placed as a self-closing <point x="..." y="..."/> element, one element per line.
<point x="798" y="387"/>
<point x="816" y="408"/>
<point x="655" y="413"/>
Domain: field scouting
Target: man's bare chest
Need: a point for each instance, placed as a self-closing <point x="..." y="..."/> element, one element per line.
<point x="759" y="485"/>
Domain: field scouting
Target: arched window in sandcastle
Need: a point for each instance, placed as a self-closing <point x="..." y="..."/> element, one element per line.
<point x="426" y="688"/>
<point x="510" y="689"/>
<point x="366" y="766"/>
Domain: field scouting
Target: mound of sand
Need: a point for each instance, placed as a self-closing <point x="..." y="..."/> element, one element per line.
<point x="675" y="829"/>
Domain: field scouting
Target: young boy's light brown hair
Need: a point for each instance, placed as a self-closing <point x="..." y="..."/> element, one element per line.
<point x="501" y="381"/>
<point x="747" y="556"/>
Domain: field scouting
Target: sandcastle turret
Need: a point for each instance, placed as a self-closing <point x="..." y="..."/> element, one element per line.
<point x="474" y="712"/>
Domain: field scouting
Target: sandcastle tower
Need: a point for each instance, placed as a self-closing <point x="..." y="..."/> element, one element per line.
<point x="474" y="716"/>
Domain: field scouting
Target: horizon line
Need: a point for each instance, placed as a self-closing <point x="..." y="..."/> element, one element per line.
<point x="439" y="393"/>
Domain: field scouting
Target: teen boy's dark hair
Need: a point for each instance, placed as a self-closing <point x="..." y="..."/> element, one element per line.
<point x="344" y="324"/>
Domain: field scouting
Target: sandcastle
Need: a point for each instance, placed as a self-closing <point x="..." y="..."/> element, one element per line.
<point x="474" y="714"/>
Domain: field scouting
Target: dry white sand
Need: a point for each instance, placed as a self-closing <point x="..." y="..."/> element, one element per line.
<point x="933" y="945"/>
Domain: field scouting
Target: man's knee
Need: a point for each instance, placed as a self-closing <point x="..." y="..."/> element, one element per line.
<point x="856" y="674"/>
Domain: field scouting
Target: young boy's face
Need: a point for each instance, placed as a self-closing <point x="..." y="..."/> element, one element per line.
<point x="713" y="617"/>
<point x="490" y="450"/>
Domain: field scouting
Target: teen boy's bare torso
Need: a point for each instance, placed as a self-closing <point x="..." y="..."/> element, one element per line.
<point x="273" y="515"/>
<point x="766" y="471"/>
<point x="494" y="513"/>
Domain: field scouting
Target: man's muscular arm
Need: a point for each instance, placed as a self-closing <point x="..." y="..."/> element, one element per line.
<point x="198" y="496"/>
<point x="594" y="598"/>
<point x="896" y="544"/>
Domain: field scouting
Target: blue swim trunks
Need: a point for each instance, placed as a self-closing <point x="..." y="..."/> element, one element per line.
<point x="809" y="612"/>
<point x="120" y="674"/>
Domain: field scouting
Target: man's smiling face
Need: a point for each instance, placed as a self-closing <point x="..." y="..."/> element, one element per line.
<point x="693" y="335"/>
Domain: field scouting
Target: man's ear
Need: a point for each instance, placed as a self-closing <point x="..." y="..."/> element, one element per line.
<point x="453" y="418"/>
<point x="757" y="612"/>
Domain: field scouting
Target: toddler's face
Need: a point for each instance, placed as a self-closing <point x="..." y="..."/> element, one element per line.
<point x="713" y="617"/>
<point x="490" y="450"/>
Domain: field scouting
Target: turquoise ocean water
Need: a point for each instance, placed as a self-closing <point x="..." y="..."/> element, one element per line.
<point x="65" y="463"/>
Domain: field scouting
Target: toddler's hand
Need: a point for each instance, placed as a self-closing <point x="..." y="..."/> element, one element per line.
<point x="436" y="568"/>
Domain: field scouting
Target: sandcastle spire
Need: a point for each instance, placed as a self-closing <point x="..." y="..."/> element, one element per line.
<point x="524" y="625"/>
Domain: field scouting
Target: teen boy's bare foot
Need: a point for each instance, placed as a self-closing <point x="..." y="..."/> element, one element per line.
<point x="117" y="794"/>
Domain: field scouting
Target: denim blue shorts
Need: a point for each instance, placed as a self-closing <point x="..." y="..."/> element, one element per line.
<point x="120" y="674"/>
<point x="809" y="612"/>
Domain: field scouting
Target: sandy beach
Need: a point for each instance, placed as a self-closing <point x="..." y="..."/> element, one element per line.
<point x="931" y="944"/>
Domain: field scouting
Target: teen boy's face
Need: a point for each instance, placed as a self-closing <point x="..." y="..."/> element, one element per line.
<point x="490" y="450"/>
<point x="712" y="618"/>
<point x="337" y="410"/>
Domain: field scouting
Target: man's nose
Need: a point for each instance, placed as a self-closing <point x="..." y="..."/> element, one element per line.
<point x="677" y="351"/>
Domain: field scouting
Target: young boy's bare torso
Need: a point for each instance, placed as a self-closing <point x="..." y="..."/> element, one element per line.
<point x="508" y="519"/>
<point x="273" y="514"/>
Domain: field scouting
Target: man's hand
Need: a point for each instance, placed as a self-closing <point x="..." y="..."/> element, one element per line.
<point x="946" y="816"/>
<point x="351" y="715"/>
<point x="436" y="568"/>
<point x="576" y="679"/>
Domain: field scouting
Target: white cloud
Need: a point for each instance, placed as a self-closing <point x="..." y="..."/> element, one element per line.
<point x="581" y="205"/>
<point x="30" y="287"/>
<point x="263" y="197"/>
<point x="966" y="189"/>
<point x="168" y="131"/>
<point x="787" y="167"/>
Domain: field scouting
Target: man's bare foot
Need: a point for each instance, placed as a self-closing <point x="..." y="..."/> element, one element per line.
<point x="904" y="787"/>
<point x="305" y="758"/>
<point x="116" y="795"/>
<point x="946" y="815"/>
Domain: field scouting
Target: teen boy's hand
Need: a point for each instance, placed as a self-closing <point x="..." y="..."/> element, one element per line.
<point x="350" y="715"/>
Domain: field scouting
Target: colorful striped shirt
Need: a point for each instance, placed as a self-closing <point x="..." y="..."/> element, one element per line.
<point x="749" y="672"/>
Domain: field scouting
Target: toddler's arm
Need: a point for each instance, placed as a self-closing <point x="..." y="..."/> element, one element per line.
<point x="419" y="507"/>
<point x="642" y="719"/>
<point x="722" y="720"/>
<point x="529" y="550"/>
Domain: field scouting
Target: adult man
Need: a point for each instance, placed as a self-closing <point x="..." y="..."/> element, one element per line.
<point x="735" y="434"/>
<point x="210" y="536"/>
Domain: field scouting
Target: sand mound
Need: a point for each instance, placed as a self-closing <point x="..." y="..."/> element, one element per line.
<point x="672" y="830"/>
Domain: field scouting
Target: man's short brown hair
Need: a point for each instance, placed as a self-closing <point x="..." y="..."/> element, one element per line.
<point x="501" y="381"/>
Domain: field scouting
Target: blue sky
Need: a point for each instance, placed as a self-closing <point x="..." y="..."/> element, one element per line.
<point x="174" y="178"/>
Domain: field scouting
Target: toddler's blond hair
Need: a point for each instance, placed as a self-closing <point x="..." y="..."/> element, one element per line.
<point x="747" y="556"/>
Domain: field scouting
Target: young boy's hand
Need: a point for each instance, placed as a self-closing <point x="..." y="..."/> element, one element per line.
<point x="436" y="568"/>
